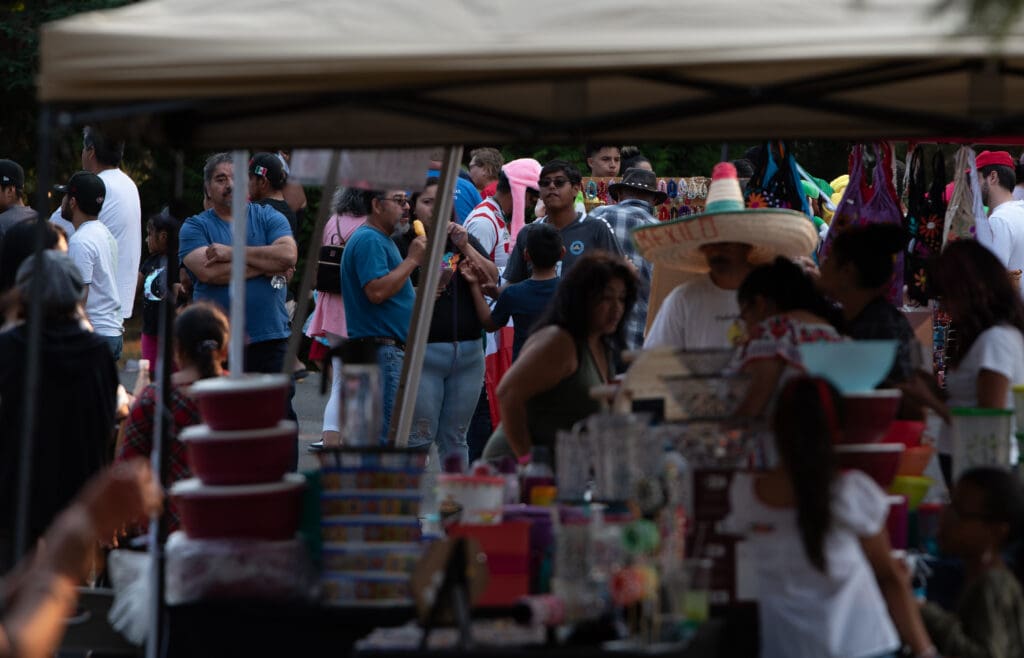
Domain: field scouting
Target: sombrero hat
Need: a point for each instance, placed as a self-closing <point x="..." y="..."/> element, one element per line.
<point x="771" y="231"/>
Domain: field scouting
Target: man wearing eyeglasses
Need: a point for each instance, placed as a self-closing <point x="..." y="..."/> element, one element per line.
<point x="559" y="184"/>
<point x="377" y="292"/>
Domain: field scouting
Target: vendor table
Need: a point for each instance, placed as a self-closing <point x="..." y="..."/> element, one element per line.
<point x="252" y="629"/>
<point x="281" y="629"/>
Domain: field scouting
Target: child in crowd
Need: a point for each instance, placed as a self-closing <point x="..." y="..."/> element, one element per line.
<point x="984" y="517"/>
<point x="525" y="301"/>
<point x="826" y="580"/>
<point x="159" y="230"/>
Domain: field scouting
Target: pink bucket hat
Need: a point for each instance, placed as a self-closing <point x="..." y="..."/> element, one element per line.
<point x="522" y="174"/>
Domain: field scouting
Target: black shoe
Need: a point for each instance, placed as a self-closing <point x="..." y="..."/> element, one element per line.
<point x="316" y="446"/>
<point x="299" y="375"/>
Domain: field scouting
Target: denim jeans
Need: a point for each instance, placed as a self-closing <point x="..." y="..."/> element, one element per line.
<point x="116" y="345"/>
<point x="389" y="359"/>
<point x="447" y="397"/>
<point x="268" y="357"/>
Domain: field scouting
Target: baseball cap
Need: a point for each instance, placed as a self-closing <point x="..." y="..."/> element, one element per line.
<point x="87" y="189"/>
<point x="62" y="285"/>
<point x="988" y="158"/>
<point x="269" y="166"/>
<point x="11" y="173"/>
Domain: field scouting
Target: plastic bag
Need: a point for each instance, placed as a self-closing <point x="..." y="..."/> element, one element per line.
<point x="203" y="569"/>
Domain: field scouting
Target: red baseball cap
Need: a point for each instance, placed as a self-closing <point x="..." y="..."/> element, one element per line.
<point x="989" y="158"/>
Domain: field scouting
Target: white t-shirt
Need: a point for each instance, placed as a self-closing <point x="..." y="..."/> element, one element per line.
<point x="69" y="228"/>
<point x="122" y="215"/>
<point x="999" y="349"/>
<point x="487" y="224"/>
<point x="696" y="315"/>
<point x="1003" y="234"/>
<point x="805" y="613"/>
<point x="94" y="250"/>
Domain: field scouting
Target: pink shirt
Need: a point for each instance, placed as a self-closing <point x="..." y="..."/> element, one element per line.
<point x="329" y="315"/>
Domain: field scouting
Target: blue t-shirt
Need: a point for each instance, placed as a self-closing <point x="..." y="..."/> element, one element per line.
<point x="265" y="315"/>
<point x="369" y="255"/>
<point x="524" y="302"/>
<point x="466" y="197"/>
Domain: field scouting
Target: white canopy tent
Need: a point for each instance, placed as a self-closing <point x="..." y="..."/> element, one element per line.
<point x="346" y="73"/>
<point x="391" y="72"/>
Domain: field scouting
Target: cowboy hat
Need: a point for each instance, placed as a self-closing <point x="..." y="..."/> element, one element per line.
<point x="771" y="231"/>
<point x="638" y="179"/>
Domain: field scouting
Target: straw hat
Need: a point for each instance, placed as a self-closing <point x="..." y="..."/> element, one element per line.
<point x="772" y="231"/>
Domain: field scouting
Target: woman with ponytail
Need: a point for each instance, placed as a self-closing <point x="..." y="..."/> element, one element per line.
<point x="824" y="566"/>
<point x="200" y="346"/>
<point x="781" y="310"/>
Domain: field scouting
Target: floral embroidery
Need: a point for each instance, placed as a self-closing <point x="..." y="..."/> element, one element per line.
<point x="755" y="200"/>
<point x="929" y="228"/>
<point x="920" y="280"/>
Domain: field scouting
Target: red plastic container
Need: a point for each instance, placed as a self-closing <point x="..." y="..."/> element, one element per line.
<point x="879" y="460"/>
<point x="907" y="432"/>
<point x="915" y="460"/>
<point x="240" y="456"/>
<point x="869" y="415"/>
<point x="250" y="511"/>
<point x="242" y="403"/>
<point x="897" y="522"/>
<point x="507" y="546"/>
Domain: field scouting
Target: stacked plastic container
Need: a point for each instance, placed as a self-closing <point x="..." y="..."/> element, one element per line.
<point x="240" y="513"/>
<point x="370" y="526"/>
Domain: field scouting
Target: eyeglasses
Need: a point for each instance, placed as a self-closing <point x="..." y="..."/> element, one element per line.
<point x="547" y="182"/>
<point x="400" y="200"/>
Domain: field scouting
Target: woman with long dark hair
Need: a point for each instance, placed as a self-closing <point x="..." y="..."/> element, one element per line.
<point x="781" y="310"/>
<point x="569" y="352"/>
<point x="200" y="346"/>
<point x="824" y="566"/>
<point x="985" y="357"/>
<point x="453" y="366"/>
<point x="857" y="275"/>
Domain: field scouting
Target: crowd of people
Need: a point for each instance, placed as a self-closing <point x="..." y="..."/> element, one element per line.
<point x="571" y="291"/>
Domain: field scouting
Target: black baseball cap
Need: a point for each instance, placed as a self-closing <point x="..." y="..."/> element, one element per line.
<point x="87" y="190"/>
<point x="268" y="166"/>
<point x="11" y="173"/>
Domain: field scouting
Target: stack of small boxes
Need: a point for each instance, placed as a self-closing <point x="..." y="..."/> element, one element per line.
<point x="370" y="526"/>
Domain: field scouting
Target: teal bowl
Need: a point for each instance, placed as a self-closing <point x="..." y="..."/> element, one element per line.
<point x="853" y="366"/>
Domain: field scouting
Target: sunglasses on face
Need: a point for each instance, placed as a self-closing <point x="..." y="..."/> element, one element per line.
<point x="557" y="182"/>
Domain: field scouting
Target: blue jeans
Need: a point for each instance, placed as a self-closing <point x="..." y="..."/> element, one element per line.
<point x="447" y="397"/>
<point x="116" y="345"/>
<point x="389" y="359"/>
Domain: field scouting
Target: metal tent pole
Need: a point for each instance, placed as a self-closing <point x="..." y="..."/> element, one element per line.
<point x="239" y="224"/>
<point x="35" y="332"/>
<point x="315" y="240"/>
<point x="160" y="455"/>
<point x="423" y="310"/>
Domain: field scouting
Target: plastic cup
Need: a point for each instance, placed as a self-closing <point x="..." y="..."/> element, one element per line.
<point x="981" y="437"/>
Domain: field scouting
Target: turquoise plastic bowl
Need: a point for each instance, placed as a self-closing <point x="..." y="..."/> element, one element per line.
<point x="853" y="366"/>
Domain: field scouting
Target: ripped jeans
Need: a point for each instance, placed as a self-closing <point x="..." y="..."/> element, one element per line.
<point x="449" y="390"/>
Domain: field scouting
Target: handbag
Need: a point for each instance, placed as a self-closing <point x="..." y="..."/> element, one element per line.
<point x="776" y="181"/>
<point x="926" y="212"/>
<point x="866" y="203"/>
<point x="328" y="265"/>
<point x="965" y="208"/>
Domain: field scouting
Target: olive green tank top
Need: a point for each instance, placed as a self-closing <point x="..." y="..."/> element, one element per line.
<point x="558" y="408"/>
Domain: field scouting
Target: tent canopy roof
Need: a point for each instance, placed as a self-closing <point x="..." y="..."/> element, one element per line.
<point x="390" y="72"/>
